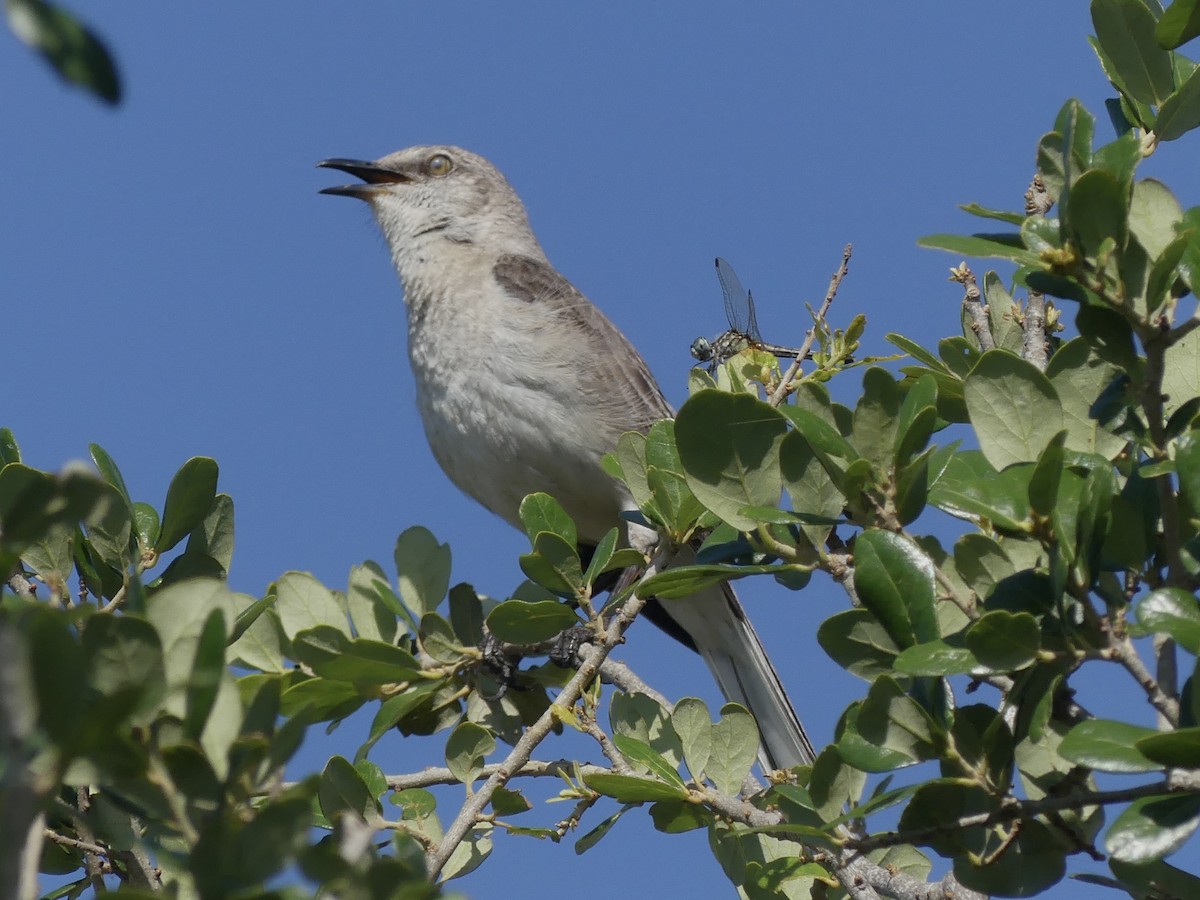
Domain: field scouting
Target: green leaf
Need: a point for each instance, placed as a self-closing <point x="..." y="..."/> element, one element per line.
<point x="809" y="486"/>
<point x="642" y="755"/>
<point x="470" y="854"/>
<point x="321" y="699"/>
<point x="1180" y="112"/>
<point x="466" y="615"/>
<point x="124" y="656"/>
<point x="146" y="525"/>
<point x="729" y="448"/>
<point x="891" y="720"/>
<point x="208" y="668"/>
<point x="858" y="642"/>
<point x="630" y="460"/>
<point x="1001" y="246"/>
<point x="643" y="718"/>
<point x="9" y="451"/>
<point x="181" y="614"/>
<point x="1107" y="746"/>
<point x="331" y="654"/>
<point x="876" y="418"/>
<point x="437" y="639"/>
<point x="1004" y="641"/>
<point x="1181" y="378"/>
<point x="256" y="640"/>
<point x="1014" y="408"/>
<point x="107" y="468"/>
<point x="74" y="51"/>
<point x="189" y="498"/>
<point x="342" y="790"/>
<point x="1125" y="30"/>
<point x="1156" y="877"/>
<point x="302" y="603"/>
<point x="1079" y="375"/>
<point x="213" y="537"/>
<point x="1176" y="749"/>
<point x="542" y="513"/>
<point x="372" y="618"/>
<point x="518" y="622"/>
<point x="981" y="563"/>
<point x="863" y="754"/>
<point x="1153" y="827"/>
<point x="1180" y="22"/>
<point x="36" y="504"/>
<point x="506" y="802"/>
<point x="632" y="789"/>
<point x="894" y="579"/>
<point x="677" y="817"/>
<point x="822" y="433"/>
<point x="593" y="837"/>
<point x="424" y="569"/>
<point x="1043" y="483"/>
<point x="1099" y="211"/>
<point x="983" y="212"/>
<point x="1154" y="213"/>
<point x="1020" y="863"/>
<point x="602" y="556"/>
<point x="1174" y="611"/>
<point x="394" y="709"/>
<point x="109" y="527"/>
<point x="936" y="658"/>
<point x="675" y="584"/>
<point x="554" y="564"/>
<point x="917" y="352"/>
<point x="692" y="723"/>
<point x="466" y="748"/>
<point x="735" y="743"/>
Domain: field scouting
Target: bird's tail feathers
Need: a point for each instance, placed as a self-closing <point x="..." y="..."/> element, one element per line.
<point x="722" y="633"/>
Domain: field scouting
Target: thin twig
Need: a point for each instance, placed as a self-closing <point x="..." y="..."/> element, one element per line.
<point x="1034" y="345"/>
<point x="811" y="335"/>
<point x="1012" y="811"/>
<point x="533" y="769"/>
<point x="536" y="733"/>
<point x="973" y="304"/>
<point x="1122" y="650"/>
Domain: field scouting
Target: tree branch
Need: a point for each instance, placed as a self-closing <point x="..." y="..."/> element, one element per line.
<point x="811" y="335"/>
<point x="536" y="733"/>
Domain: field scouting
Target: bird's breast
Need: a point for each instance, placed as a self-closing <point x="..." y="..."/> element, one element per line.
<point x="499" y="396"/>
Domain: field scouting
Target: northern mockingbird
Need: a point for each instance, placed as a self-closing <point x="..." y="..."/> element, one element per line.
<point x="553" y="388"/>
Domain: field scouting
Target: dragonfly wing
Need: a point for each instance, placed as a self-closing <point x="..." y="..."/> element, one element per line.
<point x="737" y="298"/>
<point x="752" y="320"/>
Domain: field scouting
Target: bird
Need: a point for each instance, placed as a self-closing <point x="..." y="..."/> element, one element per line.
<point x="558" y="386"/>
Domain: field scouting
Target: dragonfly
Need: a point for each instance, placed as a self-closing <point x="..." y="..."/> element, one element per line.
<point x="743" y="330"/>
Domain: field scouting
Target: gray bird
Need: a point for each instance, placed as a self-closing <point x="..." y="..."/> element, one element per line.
<point x="558" y="385"/>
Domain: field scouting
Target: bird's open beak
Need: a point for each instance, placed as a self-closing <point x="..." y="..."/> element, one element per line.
<point x="372" y="174"/>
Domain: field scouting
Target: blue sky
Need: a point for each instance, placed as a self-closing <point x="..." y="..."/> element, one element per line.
<point x="173" y="285"/>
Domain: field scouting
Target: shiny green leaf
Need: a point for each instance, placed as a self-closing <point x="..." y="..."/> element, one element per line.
<point x="424" y="569"/>
<point x="542" y="513"/>
<point x="189" y="498"/>
<point x="1107" y="746"/>
<point x="518" y="622"/>
<point x="1014" y="408"/>
<point x="894" y="580"/>
<point x="466" y="749"/>
<point x="1153" y="827"/>
<point x="729" y="448"/>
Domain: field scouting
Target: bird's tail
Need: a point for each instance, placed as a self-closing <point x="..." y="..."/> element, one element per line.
<point x="720" y="630"/>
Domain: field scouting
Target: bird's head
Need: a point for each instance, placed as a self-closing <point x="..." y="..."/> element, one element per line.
<point x="438" y="190"/>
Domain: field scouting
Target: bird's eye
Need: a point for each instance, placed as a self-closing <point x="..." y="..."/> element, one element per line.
<point x="439" y="165"/>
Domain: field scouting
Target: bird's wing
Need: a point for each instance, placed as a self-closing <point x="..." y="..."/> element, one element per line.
<point x="625" y="390"/>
